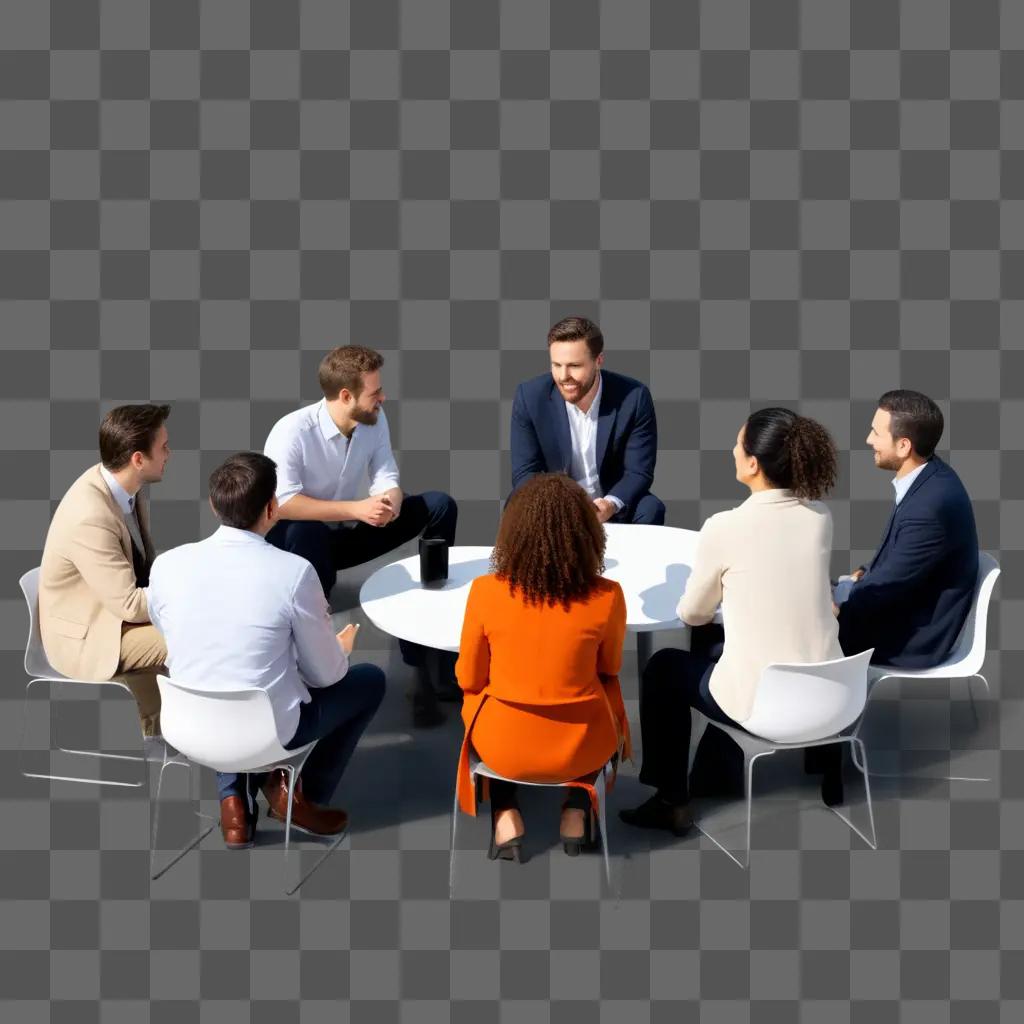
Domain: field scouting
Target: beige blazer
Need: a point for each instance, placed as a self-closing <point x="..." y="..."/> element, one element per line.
<point x="87" y="582"/>
<point x="767" y="562"/>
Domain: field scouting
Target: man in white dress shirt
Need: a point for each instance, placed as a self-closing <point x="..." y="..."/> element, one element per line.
<point x="595" y="425"/>
<point x="328" y="455"/>
<point x="235" y="608"/>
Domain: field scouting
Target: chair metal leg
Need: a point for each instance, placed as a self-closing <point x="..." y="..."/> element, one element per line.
<point x="72" y="752"/>
<point x="154" y="873"/>
<point x="861" y="764"/>
<point x="455" y="830"/>
<point x="748" y="780"/>
<point x="602" y="801"/>
<point x="293" y="772"/>
<point x="923" y="778"/>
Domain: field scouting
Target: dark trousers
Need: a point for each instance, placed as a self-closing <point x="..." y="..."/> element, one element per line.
<point x="504" y="796"/>
<point x="328" y="550"/>
<point x="674" y="682"/>
<point x="336" y="716"/>
<point x="649" y="509"/>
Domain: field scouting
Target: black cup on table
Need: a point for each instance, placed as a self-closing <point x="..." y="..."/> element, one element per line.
<point x="433" y="561"/>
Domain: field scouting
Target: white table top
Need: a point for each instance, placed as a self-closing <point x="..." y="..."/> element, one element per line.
<point x="651" y="564"/>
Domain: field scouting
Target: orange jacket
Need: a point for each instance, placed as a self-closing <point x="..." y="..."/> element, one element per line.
<point x="540" y="655"/>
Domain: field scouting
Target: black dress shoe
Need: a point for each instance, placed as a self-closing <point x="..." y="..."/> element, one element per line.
<point x="511" y="849"/>
<point x="658" y="813"/>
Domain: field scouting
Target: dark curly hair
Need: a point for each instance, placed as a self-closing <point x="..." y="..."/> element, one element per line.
<point x="794" y="452"/>
<point x="550" y="542"/>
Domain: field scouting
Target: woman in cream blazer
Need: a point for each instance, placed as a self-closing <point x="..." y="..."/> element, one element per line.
<point x="767" y="563"/>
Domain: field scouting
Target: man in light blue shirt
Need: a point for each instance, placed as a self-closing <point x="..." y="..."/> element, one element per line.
<point x="234" y="608"/>
<point x="328" y="455"/>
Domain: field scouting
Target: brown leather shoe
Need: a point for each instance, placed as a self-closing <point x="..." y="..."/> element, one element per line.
<point x="237" y="828"/>
<point x="306" y="817"/>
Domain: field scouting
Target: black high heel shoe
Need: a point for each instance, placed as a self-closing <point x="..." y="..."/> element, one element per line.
<point x="574" y="845"/>
<point x="511" y="849"/>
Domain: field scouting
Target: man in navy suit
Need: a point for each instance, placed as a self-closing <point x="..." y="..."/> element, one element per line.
<point x="911" y="602"/>
<point x="597" y="426"/>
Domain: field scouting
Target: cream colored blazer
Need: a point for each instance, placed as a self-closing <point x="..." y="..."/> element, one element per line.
<point x="767" y="562"/>
<point x="87" y="582"/>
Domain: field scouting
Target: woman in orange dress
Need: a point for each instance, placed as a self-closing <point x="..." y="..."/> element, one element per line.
<point x="539" y="661"/>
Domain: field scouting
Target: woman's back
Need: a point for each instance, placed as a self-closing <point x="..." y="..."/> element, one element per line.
<point x="767" y="561"/>
<point x="547" y="654"/>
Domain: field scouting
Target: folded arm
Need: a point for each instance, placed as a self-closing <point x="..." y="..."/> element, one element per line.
<point x="917" y="553"/>
<point x="98" y="556"/>
<point x="703" y="592"/>
<point x="321" y="659"/>
<point x="473" y="668"/>
<point x="527" y="455"/>
<point x="639" y="456"/>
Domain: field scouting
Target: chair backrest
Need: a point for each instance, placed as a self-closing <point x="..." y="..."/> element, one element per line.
<point x="799" y="703"/>
<point x="229" y="729"/>
<point x="36" y="663"/>
<point x="969" y="653"/>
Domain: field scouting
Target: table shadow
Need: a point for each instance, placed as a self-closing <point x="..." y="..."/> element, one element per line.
<point x="395" y="579"/>
<point x="667" y="592"/>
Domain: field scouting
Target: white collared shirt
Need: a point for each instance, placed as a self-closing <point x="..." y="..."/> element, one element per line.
<point x="316" y="459"/>
<point x="901" y="484"/>
<point x="583" y="433"/>
<point x="126" y="503"/>
<point x="234" y="608"/>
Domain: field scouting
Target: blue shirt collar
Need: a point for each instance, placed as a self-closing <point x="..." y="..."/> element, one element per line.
<point x="902" y="484"/>
<point x="125" y="501"/>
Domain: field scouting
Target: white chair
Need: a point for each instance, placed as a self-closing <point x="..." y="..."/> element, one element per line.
<point x="39" y="670"/>
<point x="230" y="729"/>
<point x="965" y="662"/>
<point x="799" y="706"/>
<point x="477" y="767"/>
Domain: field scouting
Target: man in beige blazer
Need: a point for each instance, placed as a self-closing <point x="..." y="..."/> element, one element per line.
<point x="92" y="599"/>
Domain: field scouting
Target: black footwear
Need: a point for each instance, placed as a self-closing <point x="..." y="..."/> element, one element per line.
<point x="574" y="845"/>
<point x="832" y="789"/>
<point x="658" y="813"/>
<point x="511" y="849"/>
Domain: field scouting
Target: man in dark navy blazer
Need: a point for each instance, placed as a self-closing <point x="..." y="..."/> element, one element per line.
<point x="911" y="602"/>
<point x="597" y="426"/>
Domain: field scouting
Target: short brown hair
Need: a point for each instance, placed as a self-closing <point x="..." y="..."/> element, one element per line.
<point x="128" y="429"/>
<point x="578" y="328"/>
<point x="343" y="367"/>
<point x="915" y="417"/>
<point x="241" y="488"/>
<point x="550" y="542"/>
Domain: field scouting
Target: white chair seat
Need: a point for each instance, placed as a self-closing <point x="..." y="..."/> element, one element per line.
<point x="799" y="706"/>
<point x="477" y="767"/>
<point x="41" y="672"/>
<point x="965" y="661"/>
<point x="229" y="729"/>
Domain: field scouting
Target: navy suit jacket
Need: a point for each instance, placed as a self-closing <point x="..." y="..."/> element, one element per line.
<point x="627" y="435"/>
<point x="912" y="602"/>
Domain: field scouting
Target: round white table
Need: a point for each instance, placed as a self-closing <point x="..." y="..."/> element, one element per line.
<point x="651" y="563"/>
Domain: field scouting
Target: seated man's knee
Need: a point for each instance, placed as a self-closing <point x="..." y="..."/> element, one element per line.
<point x="374" y="682"/>
<point x="650" y="510"/>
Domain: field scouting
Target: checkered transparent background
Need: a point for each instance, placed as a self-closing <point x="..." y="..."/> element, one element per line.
<point x="770" y="201"/>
